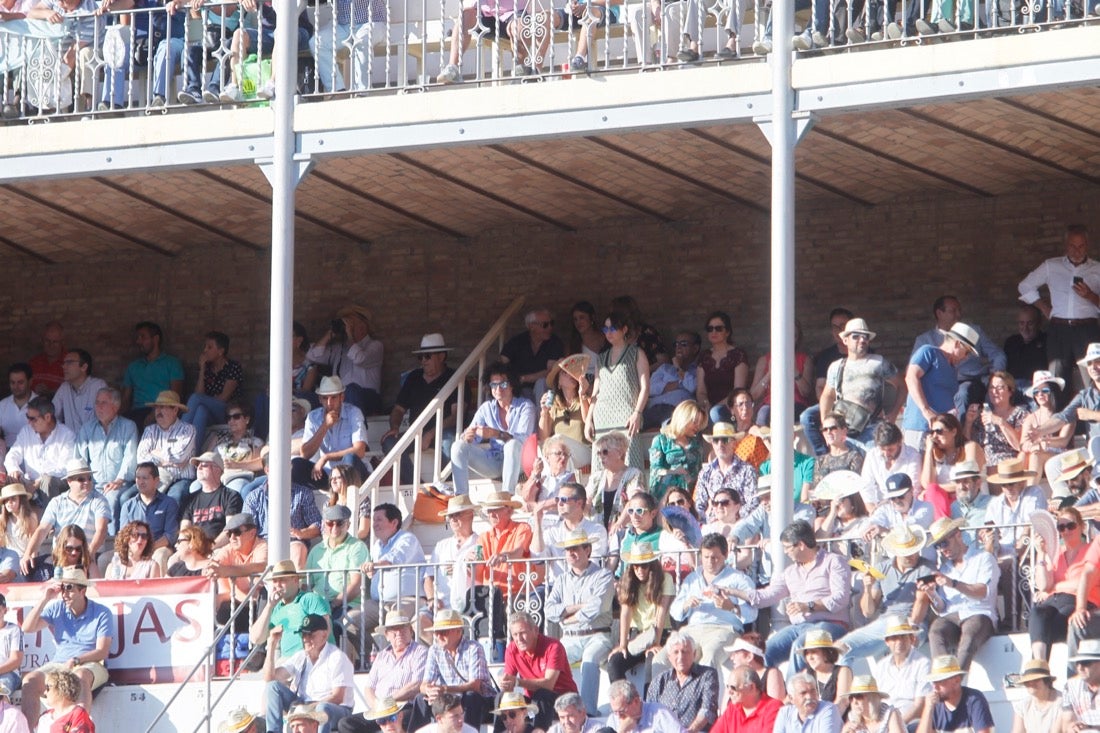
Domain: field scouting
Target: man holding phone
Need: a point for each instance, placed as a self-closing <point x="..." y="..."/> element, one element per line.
<point x="1072" y="304"/>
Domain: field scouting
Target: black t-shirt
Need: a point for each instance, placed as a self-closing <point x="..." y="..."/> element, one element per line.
<point x="208" y="511"/>
<point x="518" y="352"/>
<point x="415" y="393"/>
<point x="1026" y="359"/>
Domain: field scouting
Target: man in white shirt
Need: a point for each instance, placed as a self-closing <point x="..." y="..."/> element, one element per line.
<point x="1015" y="504"/>
<point x="355" y="357"/>
<point x="319" y="673"/>
<point x="74" y="401"/>
<point x="903" y="673"/>
<point x="37" y="459"/>
<point x="1073" y="302"/>
<point x="13" y="408"/>
<point x="889" y="455"/>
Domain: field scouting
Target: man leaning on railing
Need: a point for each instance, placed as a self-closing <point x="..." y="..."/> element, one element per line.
<point x="287" y="605"/>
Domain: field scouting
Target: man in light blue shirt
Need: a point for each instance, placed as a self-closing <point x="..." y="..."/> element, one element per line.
<point x="807" y="712"/>
<point x="674" y="382"/>
<point x="109" y="445"/>
<point x="629" y="714"/>
<point x="334" y="433"/>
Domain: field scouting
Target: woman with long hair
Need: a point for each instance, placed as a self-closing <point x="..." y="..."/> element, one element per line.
<point x="748" y="650"/>
<point x="1040" y="710"/>
<point x="676" y="454"/>
<point x="645" y="594"/>
<point x="563" y="411"/>
<point x="868" y="711"/>
<point x="343" y="477"/>
<point x="133" y="558"/>
<point x="1066" y="581"/>
<point x="722" y="368"/>
<point x="71" y="550"/>
<point x="586" y="337"/>
<point x="18" y="516"/>
<point x="945" y="447"/>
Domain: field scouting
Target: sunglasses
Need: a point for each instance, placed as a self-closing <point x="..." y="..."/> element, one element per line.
<point x="1066" y="526"/>
<point x="514" y="714"/>
<point x="721" y="502"/>
<point x="183" y="539"/>
<point x="82" y="479"/>
<point x="940" y="545"/>
<point x="676" y="502"/>
<point x="235" y="416"/>
<point x="500" y="385"/>
<point x="605" y="451"/>
<point x="715" y="329"/>
<point x="610" y="329"/>
<point x="938" y="431"/>
<point x="557" y="453"/>
<point x="69" y="587"/>
<point x="424" y="357"/>
<point x="637" y="511"/>
<point x="74" y="548"/>
<point x="1044" y="390"/>
<point x="566" y="499"/>
<point x="139" y="536"/>
<point x="387" y="719"/>
<point x="682" y="343"/>
<point x="234" y="532"/>
<point x="721" y="441"/>
<point x="334" y="522"/>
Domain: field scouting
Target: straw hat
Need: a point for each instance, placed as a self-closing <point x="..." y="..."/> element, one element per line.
<point x="838" y="485"/>
<point x="12" y="490"/>
<point x="1011" y="471"/>
<point x="167" y="398"/>
<point x="457" y="505"/>
<point x="395" y="619"/>
<point x="943" y="527"/>
<point x="1041" y="377"/>
<point x="904" y="540"/>
<point x="721" y="430"/>
<point x="432" y="343"/>
<point x="864" y="684"/>
<point x="330" y="386"/>
<point x="857" y="325"/>
<point x="76" y="467"/>
<point x="513" y="701"/>
<point x="817" y="639"/>
<point x="236" y="721"/>
<point x="74" y="575"/>
<point x="384" y="707"/>
<point x="575" y="538"/>
<point x="964" y="334"/>
<point x="447" y="620"/>
<point x="309" y="711"/>
<point x="944" y="668"/>
<point x="639" y="553"/>
<point x="359" y="311"/>
<point x="965" y="469"/>
<point x="1033" y="669"/>
<point x="302" y="404"/>
<point x="1071" y="463"/>
<point x="900" y="626"/>
<point x="284" y="569"/>
<point x="499" y="499"/>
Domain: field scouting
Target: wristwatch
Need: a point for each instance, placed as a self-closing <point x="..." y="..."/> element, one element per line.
<point x="811" y="606"/>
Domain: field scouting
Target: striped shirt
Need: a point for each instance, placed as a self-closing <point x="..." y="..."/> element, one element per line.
<point x="169" y="448"/>
<point x="390" y="673"/>
<point x="303" y="507"/>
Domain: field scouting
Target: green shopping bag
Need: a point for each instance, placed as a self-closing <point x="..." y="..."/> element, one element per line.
<point x="253" y="73"/>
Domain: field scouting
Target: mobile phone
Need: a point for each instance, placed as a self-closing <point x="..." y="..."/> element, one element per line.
<point x="1077" y="280"/>
<point x="930" y="578"/>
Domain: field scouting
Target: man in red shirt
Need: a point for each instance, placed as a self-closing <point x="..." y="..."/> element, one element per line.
<point x="749" y="710"/>
<point x="48" y="370"/>
<point x="538" y="664"/>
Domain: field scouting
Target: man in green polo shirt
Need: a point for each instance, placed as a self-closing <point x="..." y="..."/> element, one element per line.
<point x="342" y="555"/>
<point x="289" y="604"/>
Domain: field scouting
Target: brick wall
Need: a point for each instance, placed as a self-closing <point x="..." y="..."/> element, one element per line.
<point x="887" y="263"/>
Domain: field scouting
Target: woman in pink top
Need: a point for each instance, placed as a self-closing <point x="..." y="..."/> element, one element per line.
<point x="1067" y="587"/>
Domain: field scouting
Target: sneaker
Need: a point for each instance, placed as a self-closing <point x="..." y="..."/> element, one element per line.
<point x="211" y="97"/>
<point x="578" y="64"/>
<point x="945" y="25"/>
<point x="10" y="112"/>
<point x="267" y="91"/>
<point x="855" y="35"/>
<point x="876" y="36"/>
<point x="189" y="96"/>
<point x="103" y="107"/>
<point x="893" y="31"/>
<point x="687" y="56"/>
<point x="762" y="48"/>
<point x="158" y="101"/>
<point x="925" y="28"/>
<point x="802" y="42"/>
<point x="819" y="40"/>
<point x="232" y="93"/>
<point x="451" y="74"/>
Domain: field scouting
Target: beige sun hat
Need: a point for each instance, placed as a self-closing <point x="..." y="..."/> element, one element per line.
<point x="457" y="505"/>
<point x="74" y="575"/>
<point x="904" y="540"/>
<point x="817" y="639"/>
<point x="639" y="553"/>
<point x="1011" y="471"/>
<point x="330" y="386"/>
<point x="447" y="619"/>
<point x="513" y="701"/>
<point x="384" y="707"/>
<point x="722" y="430"/>
<point x="167" y="398"/>
<point x="857" y="325"/>
<point x="395" y="619"/>
<point x="77" y="467"/>
<point x="13" y="490"/>
<point x="965" y="469"/>
<point x="943" y="527"/>
<point x="308" y="711"/>
<point x="497" y="499"/>
<point x="236" y="721"/>
<point x="574" y="539"/>
<point x="1033" y="669"/>
<point x="945" y="667"/>
<point x="864" y="684"/>
<point x="900" y="626"/>
<point x="285" y="569"/>
<point x="1071" y="463"/>
<point x="432" y="343"/>
<point x="964" y="334"/>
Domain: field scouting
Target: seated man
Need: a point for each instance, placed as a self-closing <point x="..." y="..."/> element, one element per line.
<point x="170" y="443"/>
<point x="245" y="555"/>
<point x="806" y="710"/>
<point x="548" y="532"/>
<point x="349" y="346"/>
<point x="80" y="505"/>
<point x="74" y="400"/>
<point x="903" y="673"/>
<point x="749" y="707"/>
<point x="962" y="594"/>
<point x="418" y="389"/>
<point x="674" y="382"/>
<point x="447" y="580"/>
<point x="318" y="673"/>
<point x="536" y="664"/>
<point x="287" y="606"/>
<point x="492" y="445"/>
<point x="711" y="603"/>
<point x="342" y="555"/>
<point x="816" y="587"/>
<point x="385" y="715"/>
<point x="900" y="507"/>
<point x="37" y="458"/>
<point x="307" y="718"/>
<point x="1026" y="350"/>
<point x="391" y="545"/>
<point x="629" y="714"/>
<point x="580" y="603"/>
<point x="396" y="674"/>
<point x="11" y="651"/>
<point x="888" y="456"/>
<point x="13" y="408"/>
<point x="209" y="507"/>
<point x="970" y="504"/>
<point x="49" y="372"/>
<point x="689" y="689"/>
<point x="82" y="630"/>
<point x="158" y="510"/>
<point x="532" y="354"/>
<point x="108" y="443"/>
<point x="726" y="471"/>
<point x="153" y="373"/>
<point x="305" y="518"/>
<point x="951" y="706"/>
<point x="334" y="433"/>
<point x="448" y="716"/>
<point x="572" y="717"/>
<point x="456" y="670"/>
<point x="1018" y="500"/>
<point x="1081" y="700"/>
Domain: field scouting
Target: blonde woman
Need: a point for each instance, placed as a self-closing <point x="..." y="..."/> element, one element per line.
<point x="676" y="454"/>
<point x="611" y="485"/>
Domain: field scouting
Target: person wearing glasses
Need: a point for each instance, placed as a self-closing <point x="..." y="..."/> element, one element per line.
<point x="37" y="457"/>
<point x="676" y="454"/>
<point x="82" y="630"/>
<point x="74" y="400"/>
<point x="447" y="580"/>
<point x="900" y="507"/>
<point x="674" y="382"/>
<point x="932" y="380"/>
<point x="723" y="367"/>
<point x="245" y="555"/>
<point x="209" y="507"/>
<point x="531" y="355"/>
<point x="133" y="558"/>
<point x="393" y="680"/>
<point x="572" y="506"/>
<point x="81" y="505"/>
<point x="514" y="714"/>
<point x="420" y="387"/>
<point x="749" y="708"/>
<point x="492" y="446"/>
<point x="962" y="594"/>
<point x="1081" y="700"/>
<point x="193" y="550"/>
<point x="239" y="448"/>
<point x="1043" y="448"/>
<point x="341" y="554"/>
<point x="70" y="551"/>
<point x="549" y="473"/>
<point x="564" y="415"/>
<point x="946" y="446"/>
<point x="621" y="388"/>
<point x="612" y="482"/>
<point x="726" y="471"/>
<point x="64" y="708"/>
<point x="317" y="673"/>
<point x="840" y="454"/>
<point x="159" y="511"/>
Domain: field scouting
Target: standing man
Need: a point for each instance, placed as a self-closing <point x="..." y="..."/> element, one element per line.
<point x="74" y="401"/>
<point x="1072" y="303"/>
<point x="48" y="370"/>
<point x="673" y="382"/>
<point x="108" y="443"/>
<point x="334" y="433"/>
<point x="150" y="375"/>
<point x="532" y="354"/>
<point x="355" y="357"/>
<point x="13" y="408"/>
<point x="932" y="380"/>
<point x="419" y="388"/>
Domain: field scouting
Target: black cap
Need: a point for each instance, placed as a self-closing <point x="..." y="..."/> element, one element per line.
<point x="312" y="622"/>
<point x="897" y="484"/>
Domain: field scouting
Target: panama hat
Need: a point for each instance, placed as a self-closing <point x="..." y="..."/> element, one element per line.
<point x="764" y="485"/>
<point x="838" y="485"/>
<point x="395" y="619"/>
<point x="302" y="404"/>
<point x="284" y="569"/>
<point x="1041" y="377"/>
<point x="857" y="325"/>
<point x="900" y="626"/>
<point x="447" y="620"/>
<point x="1033" y="669"/>
<point x="964" y="334"/>
<point x="432" y="343"/>
<point x="639" y="553"/>
<point x="76" y="467"/>
<point x="384" y="707"/>
<point x="575" y="538"/>
<point x="817" y="639"/>
<point x="309" y="711"/>
<point x="74" y="575"/>
<point x="721" y="430"/>
<point x="236" y="721"/>
<point x="965" y="469"/>
<point x="864" y="684"/>
<point x="943" y="527"/>
<point x="498" y="499"/>
<point x="513" y="701"/>
<point x="167" y="398"/>
<point x="457" y="505"/>
<point x="1071" y="463"/>
<point x="330" y="386"/>
<point x="1092" y="354"/>
<point x="1011" y="471"/>
<point x="904" y="540"/>
<point x="1087" y="651"/>
<point x="13" y="490"/>
<point x="945" y="667"/>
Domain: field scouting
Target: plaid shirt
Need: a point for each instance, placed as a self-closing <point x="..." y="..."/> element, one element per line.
<point x="467" y="664"/>
<point x="303" y="509"/>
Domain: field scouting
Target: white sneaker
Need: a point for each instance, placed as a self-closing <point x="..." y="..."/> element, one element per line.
<point x="232" y="93"/>
<point x="267" y="91"/>
<point x="450" y="74"/>
<point x="761" y="48"/>
<point x="802" y="42"/>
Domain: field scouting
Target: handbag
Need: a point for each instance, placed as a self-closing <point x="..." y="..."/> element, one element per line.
<point x="855" y="415"/>
<point x="430" y="503"/>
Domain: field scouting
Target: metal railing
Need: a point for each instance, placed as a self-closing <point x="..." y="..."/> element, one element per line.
<point x="149" y="60"/>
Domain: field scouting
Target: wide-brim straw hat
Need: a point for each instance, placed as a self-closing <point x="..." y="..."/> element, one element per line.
<point x="457" y="505"/>
<point x="236" y="721"/>
<point x="905" y="540"/>
<point x="384" y="707"/>
<point x="447" y="619"/>
<point x="1041" y="377"/>
<point x="432" y="343"/>
<point x="721" y="430"/>
<point x="900" y="626"/>
<point x="167" y="398"/>
<point x="944" y="668"/>
<point x="864" y="684"/>
<point x="499" y="499"/>
<point x="284" y="569"/>
<point x="817" y="639"/>
<point x="943" y="527"/>
<point x="1071" y="463"/>
<point x="838" y="485"/>
<point x="857" y="325"/>
<point x="309" y="711"/>
<point x="351" y="309"/>
<point x="1011" y="471"/>
<point x="513" y="701"/>
<point x="1033" y="669"/>
<point x="639" y="553"/>
<point x="964" y="334"/>
<point x="575" y="538"/>
<point x="74" y="575"/>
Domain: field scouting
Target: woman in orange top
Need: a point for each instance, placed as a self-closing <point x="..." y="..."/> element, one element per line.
<point x="1067" y="588"/>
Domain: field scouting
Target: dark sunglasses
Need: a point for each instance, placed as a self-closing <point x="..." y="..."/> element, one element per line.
<point x="720" y="440"/>
<point x="609" y="329"/>
<point x="1066" y="526"/>
<point x="70" y="587"/>
<point x="676" y="502"/>
<point x="234" y="532"/>
<point x="74" y="548"/>
<point x="721" y="502"/>
<point x="236" y="416"/>
<point x="1044" y="390"/>
<point x="715" y="329"/>
<point x="514" y="713"/>
<point x="830" y="428"/>
<point x="424" y="357"/>
<point x="387" y="719"/>
<point x="565" y="499"/>
<point x="499" y="385"/>
<point x="938" y="431"/>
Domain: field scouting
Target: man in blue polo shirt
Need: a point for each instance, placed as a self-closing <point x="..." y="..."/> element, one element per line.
<point x="82" y="630"/>
<point x="159" y="511"/>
